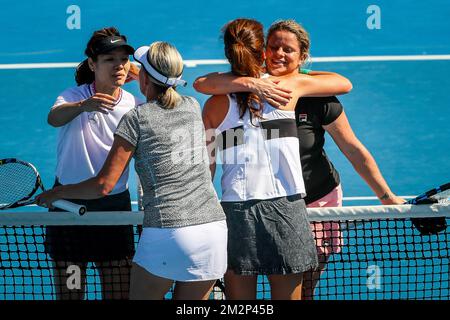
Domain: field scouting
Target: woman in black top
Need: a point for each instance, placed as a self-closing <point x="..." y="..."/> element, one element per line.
<point x="315" y="116"/>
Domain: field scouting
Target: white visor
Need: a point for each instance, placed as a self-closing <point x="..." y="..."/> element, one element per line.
<point x="141" y="56"/>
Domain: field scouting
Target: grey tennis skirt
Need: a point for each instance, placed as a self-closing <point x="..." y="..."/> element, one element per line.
<point x="269" y="236"/>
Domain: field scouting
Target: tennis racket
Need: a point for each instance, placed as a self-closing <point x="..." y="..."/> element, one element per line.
<point x="428" y="226"/>
<point x="19" y="181"/>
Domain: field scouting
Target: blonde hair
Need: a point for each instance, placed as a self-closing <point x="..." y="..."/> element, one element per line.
<point x="300" y="33"/>
<point x="166" y="59"/>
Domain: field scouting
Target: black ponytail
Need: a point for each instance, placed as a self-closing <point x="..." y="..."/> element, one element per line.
<point x="84" y="74"/>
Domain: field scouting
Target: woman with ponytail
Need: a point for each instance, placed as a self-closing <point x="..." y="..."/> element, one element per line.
<point x="262" y="183"/>
<point x="287" y="39"/>
<point x="87" y="116"/>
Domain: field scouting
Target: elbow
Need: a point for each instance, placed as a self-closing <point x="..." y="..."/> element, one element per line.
<point x="205" y="86"/>
<point x="53" y="124"/>
<point x="342" y="85"/>
<point x="104" y="189"/>
<point x="103" y="193"/>
<point x="347" y="87"/>
<point x="198" y="85"/>
<point x="52" y="121"/>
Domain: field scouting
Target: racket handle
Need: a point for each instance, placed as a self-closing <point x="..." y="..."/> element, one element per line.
<point x="69" y="206"/>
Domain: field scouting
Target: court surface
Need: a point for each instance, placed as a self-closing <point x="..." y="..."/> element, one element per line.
<point x="397" y="108"/>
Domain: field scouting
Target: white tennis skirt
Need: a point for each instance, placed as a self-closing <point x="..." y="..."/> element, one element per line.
<point x="193" y="253"/>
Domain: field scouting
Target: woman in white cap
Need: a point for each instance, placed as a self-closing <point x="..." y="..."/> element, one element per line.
<point x="87" y="116"/>
<point x="185" y="234"/>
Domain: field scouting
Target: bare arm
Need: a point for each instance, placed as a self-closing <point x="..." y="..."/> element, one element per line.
<point x="99" y="186"/>
<point x="361" y="159"/>
<point x="210" y="144"/>
<point x="66" y="112"/>
<point x="225" y="83"/>
<point x="323" y="84"/>
<point x="218" y="83"/>
<point x="214" y="111"/>
<point x="319" y="73"/>
<point x="208" y="122"/>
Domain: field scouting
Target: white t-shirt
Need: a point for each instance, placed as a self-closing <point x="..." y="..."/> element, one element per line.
<point x="84" y="142"/>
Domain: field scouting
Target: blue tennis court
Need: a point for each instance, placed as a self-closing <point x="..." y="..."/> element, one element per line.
<point x="398" y="107"/>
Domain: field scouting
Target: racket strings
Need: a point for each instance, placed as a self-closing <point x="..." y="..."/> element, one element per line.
<point x="17" y="181"/>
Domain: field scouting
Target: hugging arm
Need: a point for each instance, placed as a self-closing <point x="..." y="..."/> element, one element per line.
<point x="318" y="83"/>
<point x="323" y="84"/>
<point x="226" y="83"/>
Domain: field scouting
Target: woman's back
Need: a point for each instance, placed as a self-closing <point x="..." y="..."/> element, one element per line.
<point x="259" y="161"/>
<point x="171" y="161"/>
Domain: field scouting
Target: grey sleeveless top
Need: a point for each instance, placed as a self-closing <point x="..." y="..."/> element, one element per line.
<point x="172" y="163"/>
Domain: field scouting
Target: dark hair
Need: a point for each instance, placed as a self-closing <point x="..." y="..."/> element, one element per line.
<point x="84" y="74"/>
<point x="244" y="49"/>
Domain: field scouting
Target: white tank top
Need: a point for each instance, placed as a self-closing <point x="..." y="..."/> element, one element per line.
<point x="260" y="157"/>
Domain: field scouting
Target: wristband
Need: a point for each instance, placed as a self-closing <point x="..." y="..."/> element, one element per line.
<point x="305" y="71"/>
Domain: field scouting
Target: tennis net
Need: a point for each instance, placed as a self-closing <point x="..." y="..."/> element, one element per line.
<point x="376" y="253"/>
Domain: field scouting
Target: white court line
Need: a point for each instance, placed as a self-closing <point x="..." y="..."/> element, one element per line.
<point x="195" y="63"/>
<point x="38" y="65"/>
<point x="383" y="58"/>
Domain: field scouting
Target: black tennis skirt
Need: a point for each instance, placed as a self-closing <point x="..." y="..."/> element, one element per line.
<point x="93" y="243"/>
<point x="270" y="236"/>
